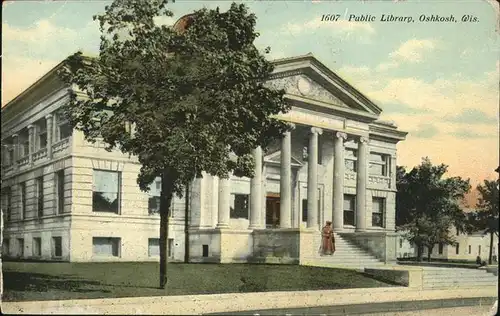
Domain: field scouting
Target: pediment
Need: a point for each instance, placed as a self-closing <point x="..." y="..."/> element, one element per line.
<point x="305" y="86"/>
<point x="275" y="158"/>
<point x="307" y="78"/>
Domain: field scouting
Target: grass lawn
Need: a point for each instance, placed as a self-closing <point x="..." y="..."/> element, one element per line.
<point x="27" y="281"/>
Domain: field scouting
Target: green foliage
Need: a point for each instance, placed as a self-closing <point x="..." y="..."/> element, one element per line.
<point x="181" y="102"/>
<point x="427" y="206"/>
<point x="485" y="217"/>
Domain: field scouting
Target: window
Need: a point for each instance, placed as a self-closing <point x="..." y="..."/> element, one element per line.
<point x="154" y="197"/>
<point x="239" y="206"/>
<point x="441" y="246"/>
<point x="304" y="210"/>
<point x="56" y="247"/>
<point x="457" y="249"/>
<point x="349" y="209"/>
<point x="60" y="191"/>
<point x="37" y="247"/>
<point x="378" y="206"/>
<point x="24" y="142"/>
<point x="470" y="249"/>
<point x="351" y="157"/>
<point x="153" y="247"/>
<point x="205" y="251"/>
<point x="42" y="134"/>
<point x="7" y="203"/>
<point x="400" y="242"/>
<point x="106" y="191"/>
<point x="5" y="247"/>
<point x="378" y="164"/>
<point x="106" y="246"/>
<point x="20" y="247"/>
<point x="479" y="250"/>
<point x="39" y="194"/>
<point x="64" y="127"/>
<point x="22" y="187"/>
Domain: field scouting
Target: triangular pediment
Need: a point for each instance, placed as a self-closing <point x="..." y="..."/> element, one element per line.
<point x="307" y="78"/>
<point x="275" y="158"/>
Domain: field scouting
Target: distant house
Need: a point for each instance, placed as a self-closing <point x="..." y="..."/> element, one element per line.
<point x="468" y="247"/>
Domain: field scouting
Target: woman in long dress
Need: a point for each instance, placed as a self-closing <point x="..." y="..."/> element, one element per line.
<point x="327" y="240"/>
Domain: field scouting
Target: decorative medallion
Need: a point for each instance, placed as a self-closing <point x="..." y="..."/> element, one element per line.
<point x="304" y="85"/>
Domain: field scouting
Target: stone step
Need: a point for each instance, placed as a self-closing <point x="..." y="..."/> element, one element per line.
<point x="454" y="274"/>
<point x="464" y="284"/>
<point x="460" y="281"/>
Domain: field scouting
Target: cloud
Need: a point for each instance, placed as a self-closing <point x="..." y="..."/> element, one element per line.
<point x="467" y="134"/>
<point x="41" y="31"/>
<point x="425" y="131"/>
<point x="472" y="116"/>
<point x="413" y="50"/>
<point x="340" y="26"/>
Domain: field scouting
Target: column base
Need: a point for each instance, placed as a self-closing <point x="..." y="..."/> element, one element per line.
<point x="251" y="227"/>
<point x="360" y="230"/>
<point x="222" y="226"/>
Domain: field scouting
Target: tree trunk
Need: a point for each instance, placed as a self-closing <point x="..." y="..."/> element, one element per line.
<point x="490" y="256"/>
<point x="165" y="203"/>
<point x="419" y="253"/>
<point x="186" y="227"/>
<point x="429" y="253"/>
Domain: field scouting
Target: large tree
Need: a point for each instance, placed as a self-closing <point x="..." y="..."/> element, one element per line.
<point x="427" y="205"/>
<point x="183" y="101"/>
<point x="485" y="217"/>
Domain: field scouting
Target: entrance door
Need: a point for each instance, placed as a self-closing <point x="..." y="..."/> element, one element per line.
<point x="272" y="211"/>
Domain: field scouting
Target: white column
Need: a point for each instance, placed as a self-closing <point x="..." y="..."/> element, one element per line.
<point x="49" y="119"/>
<point x="338" y="181"/>
<point x="195" y="203"/>
<point x="31" y="140"/>
<point x="312" y="179"/>
<point x="286" y="182"/>
<point x="361" y="182"/>
<point x="224" y="204"/>
<point x="256" y="191"/>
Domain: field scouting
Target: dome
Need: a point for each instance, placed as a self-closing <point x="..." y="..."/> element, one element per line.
<point x="183" y="23"/>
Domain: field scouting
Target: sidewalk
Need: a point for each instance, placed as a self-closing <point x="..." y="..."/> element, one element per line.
<point x="223" y="303"/>
<point x="485" y="303"/>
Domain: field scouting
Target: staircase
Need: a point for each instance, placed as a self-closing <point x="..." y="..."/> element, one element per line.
<point x="347" y="256"/>
<point x="448" y="277"/>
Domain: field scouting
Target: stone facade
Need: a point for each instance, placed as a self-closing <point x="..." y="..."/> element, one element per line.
<point x="338" y="163"/>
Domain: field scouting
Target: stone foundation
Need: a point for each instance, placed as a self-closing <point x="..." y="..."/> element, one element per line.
<point x="276" y="246"/>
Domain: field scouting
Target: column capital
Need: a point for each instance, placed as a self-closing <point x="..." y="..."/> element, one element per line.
<point x="15" y="135"/>
<point x="292" y="126"/>
<point x="316" y="130"/>
<point x="341" y="135"/>
<point x="49" y="116"/>
<point x="363" y="140"/>
<point x="31" y="126"/>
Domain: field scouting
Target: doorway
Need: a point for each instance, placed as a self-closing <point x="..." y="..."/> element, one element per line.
<point x="272" y="211"/>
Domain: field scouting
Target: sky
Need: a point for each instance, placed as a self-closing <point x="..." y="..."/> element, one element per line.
<point x="437" y="81"/>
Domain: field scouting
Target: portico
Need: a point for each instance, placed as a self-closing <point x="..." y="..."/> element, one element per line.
<point x="337" y="162"/>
